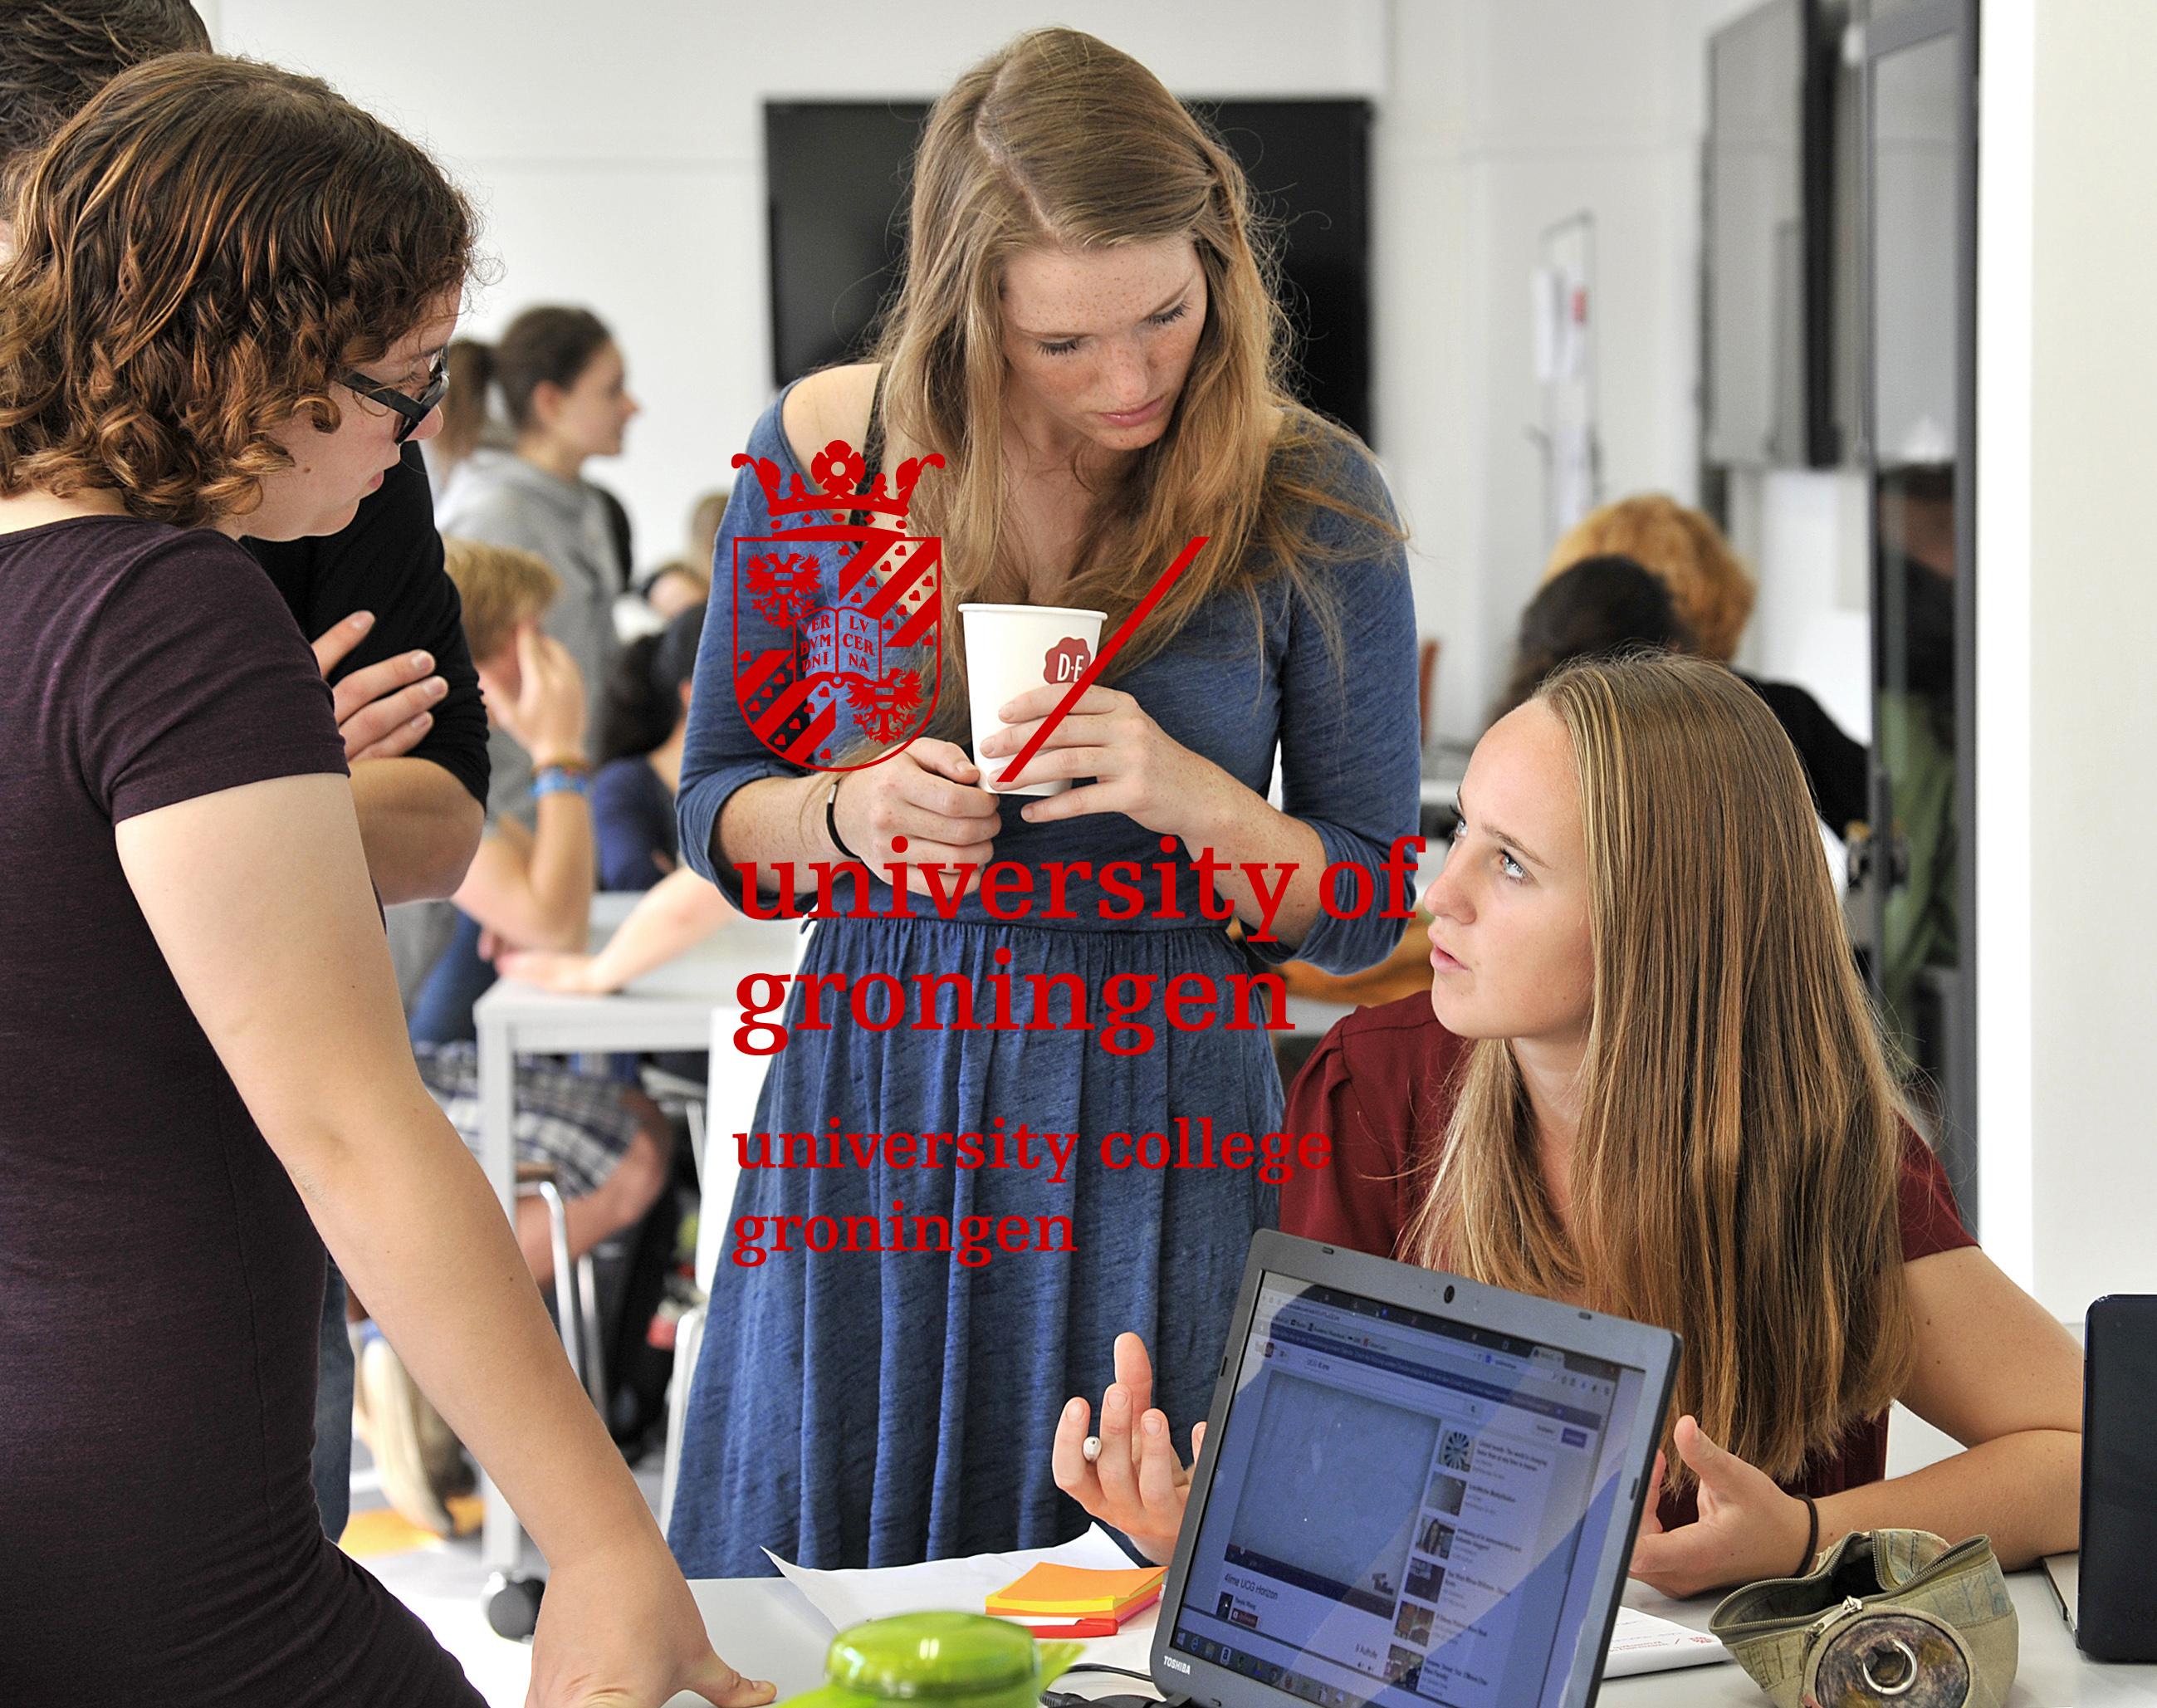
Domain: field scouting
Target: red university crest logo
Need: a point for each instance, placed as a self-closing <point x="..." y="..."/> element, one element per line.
<point x="844" y="658"/>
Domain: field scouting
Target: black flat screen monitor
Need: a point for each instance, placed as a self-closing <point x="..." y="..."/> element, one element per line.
<point x="837" y="177"/>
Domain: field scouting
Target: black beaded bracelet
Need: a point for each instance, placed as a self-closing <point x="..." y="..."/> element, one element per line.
<point x="831" y="820"/>
<point x="1812" y="1537"/>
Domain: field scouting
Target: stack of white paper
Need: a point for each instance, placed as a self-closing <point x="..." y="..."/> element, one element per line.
<point x="965" y="1586"/>
<point x="1641" y="1642"/>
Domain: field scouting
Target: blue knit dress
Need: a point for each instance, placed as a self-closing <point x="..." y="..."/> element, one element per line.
<point x="877" y="1407"/>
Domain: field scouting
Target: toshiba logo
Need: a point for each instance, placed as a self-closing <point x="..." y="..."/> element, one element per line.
<point x="1181" y="1666"/>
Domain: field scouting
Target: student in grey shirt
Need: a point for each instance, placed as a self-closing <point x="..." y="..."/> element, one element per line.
<point x="561" y="382"/>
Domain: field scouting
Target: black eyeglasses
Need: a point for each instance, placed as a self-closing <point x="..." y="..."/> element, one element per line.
<point x="414" y="410"/>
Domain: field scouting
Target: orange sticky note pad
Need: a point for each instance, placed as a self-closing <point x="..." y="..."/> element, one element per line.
<point x="1074" y="1591"/>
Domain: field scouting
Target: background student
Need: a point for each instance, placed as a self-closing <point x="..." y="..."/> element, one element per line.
<point x="1599" y="608"/>
<point x="1714" y="595"/>
<point x="647" y="720"/>
<point x="609" y="1145"/>
<point x="1085" y="336"/>
<point x="407" y="702"/>
<point x="633" y="818"/>
<point x="561" y="383"/>
<point x="1647" y="1080"/>
<point x="182" y="861"/>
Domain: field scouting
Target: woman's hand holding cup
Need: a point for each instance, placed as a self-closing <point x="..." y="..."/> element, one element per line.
<point x="1139" y="770"/>
<point x="929" y="793"/>
<point x="1135" y="1482"/>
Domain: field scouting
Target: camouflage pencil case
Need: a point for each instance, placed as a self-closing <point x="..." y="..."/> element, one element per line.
<point x="1890" y="1618"/>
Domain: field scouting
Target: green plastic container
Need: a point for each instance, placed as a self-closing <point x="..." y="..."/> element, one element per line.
<point x="953" y="1660"/>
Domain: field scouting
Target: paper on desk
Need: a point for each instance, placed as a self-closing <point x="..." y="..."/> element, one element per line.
<point x="1643" y="1643"/>
<point x="965" y="1586"/>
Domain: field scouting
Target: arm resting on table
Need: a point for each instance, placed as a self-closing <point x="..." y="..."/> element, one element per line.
<point x="535" y="892"/>
<point x="676" y="914"/>
<point x="1998" y="1373"/>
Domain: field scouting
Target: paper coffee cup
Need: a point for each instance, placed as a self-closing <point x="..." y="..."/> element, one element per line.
<point x="1013" y="648"/>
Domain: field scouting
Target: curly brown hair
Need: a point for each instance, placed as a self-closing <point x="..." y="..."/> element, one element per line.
<point x="200" y="253"/>
<point x="1683" y="546"/>
<point x="54" y="54"/>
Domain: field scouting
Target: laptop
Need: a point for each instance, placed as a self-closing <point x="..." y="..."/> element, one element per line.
<point x="2112" y="1603"/>
<point x="1415" y="1491"/>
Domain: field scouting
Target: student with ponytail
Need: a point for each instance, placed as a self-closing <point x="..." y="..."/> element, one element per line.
<point x="561" y="383"/>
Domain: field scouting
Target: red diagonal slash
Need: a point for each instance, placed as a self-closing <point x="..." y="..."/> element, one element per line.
<point x="1124" y="631"/>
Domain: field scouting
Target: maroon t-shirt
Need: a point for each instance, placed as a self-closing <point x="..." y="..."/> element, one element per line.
<point x="1380" y="1087"/>
<point x="161" y="1285"/>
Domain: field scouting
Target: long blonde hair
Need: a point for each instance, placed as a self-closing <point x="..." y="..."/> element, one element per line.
<point x="1059" y="139"/>
<point x="1735" y="1168"/>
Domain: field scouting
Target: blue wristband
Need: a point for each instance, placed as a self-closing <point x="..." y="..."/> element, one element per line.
<point x="555" y="778"/>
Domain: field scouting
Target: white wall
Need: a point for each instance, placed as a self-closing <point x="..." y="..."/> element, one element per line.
<point x="1804" y="533"/>
<point x="2066" y="606"/>
<point x="1504" y="117"/>
<point x="617" y="153"/>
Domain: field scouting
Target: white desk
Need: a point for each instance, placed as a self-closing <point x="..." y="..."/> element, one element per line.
<point x="671" y="1008"/>
<point x="766" y="1628"/>
<point x="2052" y="1672"/>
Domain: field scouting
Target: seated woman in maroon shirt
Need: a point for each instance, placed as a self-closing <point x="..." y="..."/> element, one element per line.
<point x="229" y="290"/>
<point x="1646" y="1080"/>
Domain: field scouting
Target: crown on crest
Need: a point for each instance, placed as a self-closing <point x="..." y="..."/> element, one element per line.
<point x="838" y="470"/>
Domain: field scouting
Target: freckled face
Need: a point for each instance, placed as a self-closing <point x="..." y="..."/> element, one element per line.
<point x="1100" y="341"/>
<point x="1511" y="950"/>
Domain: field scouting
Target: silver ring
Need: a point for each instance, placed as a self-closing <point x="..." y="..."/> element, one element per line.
<point x="1909" y="1678"/>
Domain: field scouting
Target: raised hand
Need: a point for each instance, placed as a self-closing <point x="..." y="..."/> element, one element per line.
<point x="1137" y="1484"/>
<point x="1748" y="1528"/>
<point x="382" y="711"/>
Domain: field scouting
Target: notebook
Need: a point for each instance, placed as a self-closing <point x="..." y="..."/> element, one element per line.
<point x="1415" y="1491"/>
<point x="1056" y="1600"/>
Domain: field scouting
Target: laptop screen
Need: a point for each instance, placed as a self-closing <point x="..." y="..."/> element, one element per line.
<point x="1397" y="1506"/>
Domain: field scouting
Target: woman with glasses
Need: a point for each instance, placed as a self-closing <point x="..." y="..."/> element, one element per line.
<point x="223" y="274"/>
<point x="414" y="727"/>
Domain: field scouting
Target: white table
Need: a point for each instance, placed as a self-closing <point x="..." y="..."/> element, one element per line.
<point x="671" y="1008"/>
<point x="767" y="1628"/>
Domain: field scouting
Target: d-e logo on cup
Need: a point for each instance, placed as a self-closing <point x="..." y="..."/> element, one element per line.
<point x="852" y="608"/>
<point x="1066" y="661"/>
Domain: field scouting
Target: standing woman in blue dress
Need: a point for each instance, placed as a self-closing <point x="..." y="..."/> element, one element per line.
<point x="1086" y="336"/>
